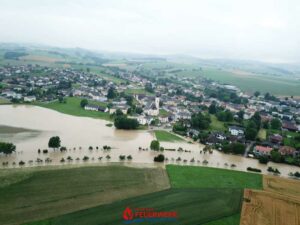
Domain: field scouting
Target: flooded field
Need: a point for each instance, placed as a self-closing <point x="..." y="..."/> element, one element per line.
<point x="30" y="127"/>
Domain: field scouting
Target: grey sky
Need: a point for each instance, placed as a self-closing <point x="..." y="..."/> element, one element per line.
<point x="254" y="29"/>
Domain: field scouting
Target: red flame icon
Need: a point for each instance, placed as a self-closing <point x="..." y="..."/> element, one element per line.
<point x="127" y="214"/>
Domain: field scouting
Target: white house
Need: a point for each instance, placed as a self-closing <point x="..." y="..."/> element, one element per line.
<point x="235" y="130"/>
<point x="29" y="98"/>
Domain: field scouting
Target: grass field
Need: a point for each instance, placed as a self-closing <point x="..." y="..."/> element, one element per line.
<point x="192" y="206"/>
<point x="216" y="124"/>
<point x="72" y="107"/>
<point x="262" y="134"/>
<point x="163" y="112"/>
<point x="39" y="193"/>
<point x="205" y="177"/>
<point x="162" y="135"/>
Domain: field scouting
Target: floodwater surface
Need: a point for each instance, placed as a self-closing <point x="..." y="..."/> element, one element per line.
<point x="30" y="127"/>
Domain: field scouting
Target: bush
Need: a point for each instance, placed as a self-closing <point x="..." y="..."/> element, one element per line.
<point x="129" y="157"/>
<point x="159" y="158"/>
<point x="21" y="163"/>
<point x="154" y="145"/>
<point x="85" y="158"/>
<point x="122" y="157"/>
<point x="253" y="169"/>
<point x="263" y="159"/>
<point x="45" y="151"/>
<point x="122" y="122"/>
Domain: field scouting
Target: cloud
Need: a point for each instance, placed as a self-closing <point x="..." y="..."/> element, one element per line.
<point x="206" y="28"/>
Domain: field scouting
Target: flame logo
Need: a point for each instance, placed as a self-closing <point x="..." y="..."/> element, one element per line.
<point x="127" y="214"/>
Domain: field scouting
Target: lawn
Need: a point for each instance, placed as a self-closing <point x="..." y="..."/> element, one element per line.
<point x="216" y="124"/>
<point x="163" y="112"/>
<point x="72" y="107"/>
<point x="162" y="135"/>
<point x="30" y="194"/>
<point x="262" y="134"/>
<point x="192" y="206"/>
<point x="205" y="177"/>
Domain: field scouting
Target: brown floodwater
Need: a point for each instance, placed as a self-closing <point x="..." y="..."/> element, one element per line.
<point x="30" y="127"/>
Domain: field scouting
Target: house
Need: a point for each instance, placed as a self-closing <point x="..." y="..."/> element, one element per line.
<point x="287" y="150"/>
<point x="286" y="125"/>
<point x="262" y="150"/>
<point x="275" y="138"/>
<point x="163" y="118"/>
<point x="235" y="130"/>
<point x="29" y="98"/>
<point x="92" y="107"/>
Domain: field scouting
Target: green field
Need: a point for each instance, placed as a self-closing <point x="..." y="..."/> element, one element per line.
<point x="72" y="107"/>
<point x="30" y="194"/>
<point x="216" y="124"/>
<point x="205" y="177"/>
<point x="163" y="112"/>
<point x="192" y="206"/>
<point x="277" y="85"/>
<point x="162" y="135"/>
<point x="262" y="134"/>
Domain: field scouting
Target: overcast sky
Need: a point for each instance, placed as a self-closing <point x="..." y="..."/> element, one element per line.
<point x="240" y="29"/>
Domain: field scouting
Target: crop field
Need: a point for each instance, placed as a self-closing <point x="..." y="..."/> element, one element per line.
<point x="284" y="186"/>
<point x="266" y="208"/>
<point x="72" y="107"/>
<point x="193" y="206"/>
<point x="249" y="82"/>
<point x="205" y="177"/>
<point x="162" y="135"/>
<point x="31" y="194"/>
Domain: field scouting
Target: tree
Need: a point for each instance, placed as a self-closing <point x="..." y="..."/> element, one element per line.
<point x="119" y="112"/>
<point x="263" y="159"/>
<point x="275" y="124"/>
<point x="251" y="131"/>
<point x="235" y="148"/>
<point x="212" y="109"/>
<point x="111" y="93"/>
<point x="149" y="87"/>
<point x="54" y="142"/>
<point x="159" y="158"/>
<point x="139" y="110"/>
<point x="83" y="103"/>
<point x="256" y="94"/>
<point x="154" y="145"/>
<point x="241" y="114"/>
<point x="7" y="148"/>
<point x="256" y="119"/>
<point x="276" y="156"/>
<point x="122" y="122"/>
<point x="200" y="121"/>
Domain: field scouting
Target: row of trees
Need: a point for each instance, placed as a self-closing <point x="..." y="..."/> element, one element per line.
<point x="122" y="122"/>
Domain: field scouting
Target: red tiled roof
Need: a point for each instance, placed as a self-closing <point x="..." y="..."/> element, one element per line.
<point x="263" y="149"/>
